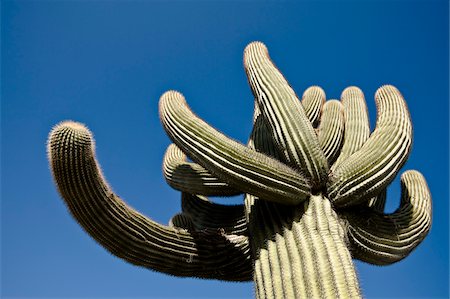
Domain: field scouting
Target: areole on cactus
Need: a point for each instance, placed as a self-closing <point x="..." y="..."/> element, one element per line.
<point x="314" y="180"/>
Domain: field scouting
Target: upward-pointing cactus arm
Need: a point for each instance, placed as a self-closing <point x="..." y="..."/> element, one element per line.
<point x="370" y="169"/>
<point x="312" y="100"/>
<point x="382" y="239"/>
<point x="331" y="129"/>
<point x="127" y="233"/>
<point x="242" y="168"/>
<point x="191" y="177"/>
<point x="284" y="114"/>
<point x="357" y="127"/>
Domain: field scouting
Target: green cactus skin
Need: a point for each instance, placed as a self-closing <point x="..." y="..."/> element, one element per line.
<point x="312" y="101"/>
<point x="331" y="129"/>
<point x="191" y="177"/>
<point x="314" y="180"/>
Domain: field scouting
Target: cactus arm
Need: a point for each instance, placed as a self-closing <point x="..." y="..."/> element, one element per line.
<point x="370" y="169"/>
<point x="242" y="168"/>
<point x="357" y="127"/>
<point x="208" y="215"/>
<point x="331" y="129"/>
<point x="285" y="115"/>
<point x="190" y="177"/>
<point x="312" y="100"/>
<point x="383" y="239"/>
<point x="125" y="232"/>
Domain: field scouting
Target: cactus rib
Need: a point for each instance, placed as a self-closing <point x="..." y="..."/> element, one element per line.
<point x="125" y="232"/>
<point x="242" y="168"/>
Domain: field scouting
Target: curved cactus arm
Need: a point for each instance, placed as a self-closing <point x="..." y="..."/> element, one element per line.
<point x="357" y="126"/>
<point x="383" y="239"/>
<point x="242" y="168"/>
<point x="127" y="233"/>
<point x="378" y="202"/>
<point x="370" y="169"/>
<point x="284" y="114"/>
<point x="190" y="177"/>
<point x="313" y="100"/>
<point x="331" y="129"/>
<point x="208" y="215"/>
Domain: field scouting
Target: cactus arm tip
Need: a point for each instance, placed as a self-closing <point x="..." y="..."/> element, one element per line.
<point x="382" y="239"/>
<point x="127" y="233"/>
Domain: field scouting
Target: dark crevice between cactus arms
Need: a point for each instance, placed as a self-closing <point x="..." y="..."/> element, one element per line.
<point x="314" y="181"/>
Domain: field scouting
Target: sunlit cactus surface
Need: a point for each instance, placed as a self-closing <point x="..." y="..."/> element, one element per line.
<point x="313" y="176"/>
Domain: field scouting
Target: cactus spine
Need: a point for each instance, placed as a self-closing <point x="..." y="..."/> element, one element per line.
<point x="314" y="180"/>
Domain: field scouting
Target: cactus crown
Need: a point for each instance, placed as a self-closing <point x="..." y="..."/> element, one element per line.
<point x="314" y="179"/>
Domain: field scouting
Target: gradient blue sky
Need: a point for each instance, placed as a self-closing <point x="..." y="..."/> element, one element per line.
<point x="106" y="63"/>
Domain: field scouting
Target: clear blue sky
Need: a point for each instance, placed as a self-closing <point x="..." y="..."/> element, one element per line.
<point x="106" y="63"/>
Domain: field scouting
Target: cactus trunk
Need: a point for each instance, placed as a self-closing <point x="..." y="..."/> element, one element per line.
<point x="300" y="253"/>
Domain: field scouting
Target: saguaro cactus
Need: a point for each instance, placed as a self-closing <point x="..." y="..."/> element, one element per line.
<point x="314" y="180"/>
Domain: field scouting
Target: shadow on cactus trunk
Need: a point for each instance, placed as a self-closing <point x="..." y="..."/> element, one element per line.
<point x="314" y="179"/>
